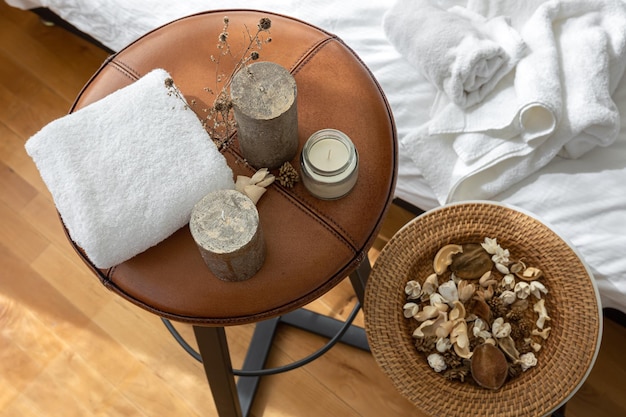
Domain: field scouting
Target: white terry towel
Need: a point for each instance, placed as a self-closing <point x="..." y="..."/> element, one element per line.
<point x="463" y="54"/>
<point x="577" y="55"/>
<point x="126" y="171"/>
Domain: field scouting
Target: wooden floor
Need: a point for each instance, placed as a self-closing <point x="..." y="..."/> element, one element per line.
<point x="68" y="347"/>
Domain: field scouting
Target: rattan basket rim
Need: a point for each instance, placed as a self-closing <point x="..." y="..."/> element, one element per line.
<point x="577" y="325"/>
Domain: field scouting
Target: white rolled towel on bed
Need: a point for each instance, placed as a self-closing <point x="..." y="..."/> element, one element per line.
<point x="126" y="171"/>
<point x="460" y="52"/>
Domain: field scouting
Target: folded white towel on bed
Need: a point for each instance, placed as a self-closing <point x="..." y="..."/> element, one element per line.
<point x="532" y="114"/>
<point x="463" y="54"/>
<point x="559" y="103"/>
<point x="126" y="171"/>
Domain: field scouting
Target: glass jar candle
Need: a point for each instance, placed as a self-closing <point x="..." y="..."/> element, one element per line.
<point x="329" y="164"/>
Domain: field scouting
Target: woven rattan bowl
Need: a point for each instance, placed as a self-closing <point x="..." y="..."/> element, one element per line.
<point x="566" y="357"/>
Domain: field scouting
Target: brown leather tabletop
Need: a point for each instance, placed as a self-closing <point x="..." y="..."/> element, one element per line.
<point x="311" y="244"/>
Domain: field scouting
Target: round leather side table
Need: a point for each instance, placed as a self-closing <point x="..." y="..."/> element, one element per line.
<point x="312" y="244"/>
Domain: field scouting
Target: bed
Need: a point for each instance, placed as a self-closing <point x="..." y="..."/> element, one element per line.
<point x="582" y="198"/>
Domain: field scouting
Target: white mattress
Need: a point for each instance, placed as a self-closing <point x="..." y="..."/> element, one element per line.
<point x="583" y="199"/>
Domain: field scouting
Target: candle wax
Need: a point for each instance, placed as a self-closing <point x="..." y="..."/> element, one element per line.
<point x="329" y="155"/>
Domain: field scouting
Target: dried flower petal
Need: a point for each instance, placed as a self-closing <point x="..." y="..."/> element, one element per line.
<point x="436" y="298"/>
<point x="410" y="310"/>
<point x="437" y="362"/>
<point x="522" y="290"/>
<point x="449" y="291"/>
<point x="480" y="329"/>
<point x="466" y="290"/>
<point x="540" y="308"/>
<point x="537" y="288"/>
<point x="431" y="284"/>
<point x="428" y="312"/>
<point x="490" y="245"/>
<point x="543" y="333"/>
<point x="443" y="344"/>
<point x="508" y="282"/>
<point x="413" y="290"/>
<point x="508" y="297"/>
<point x="503" y="269"/>
<point x="528" y="360"/>
<point x="500" y="329"/>
<point x="501" y="256"/>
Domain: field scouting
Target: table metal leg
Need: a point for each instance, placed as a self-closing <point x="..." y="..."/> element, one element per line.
<point x="359" y="279"/>
<point x="213" y="348"/>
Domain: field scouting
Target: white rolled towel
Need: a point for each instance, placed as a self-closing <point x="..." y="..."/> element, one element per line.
<point x="460" y="52"/>
<point x="126" y="171"/>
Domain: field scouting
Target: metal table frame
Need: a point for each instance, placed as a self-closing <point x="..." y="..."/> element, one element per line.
<point x="235" y="399"/>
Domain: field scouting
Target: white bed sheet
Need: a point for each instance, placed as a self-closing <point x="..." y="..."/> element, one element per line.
<point x="584" y="200"/>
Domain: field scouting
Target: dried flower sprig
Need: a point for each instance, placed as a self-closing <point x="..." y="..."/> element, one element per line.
<point x="172" y="90"/>
<point x="219" y="122"/>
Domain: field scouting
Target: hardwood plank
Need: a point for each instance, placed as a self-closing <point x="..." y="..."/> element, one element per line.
<point x="13" y="155"/>
<point x="72" y="279"/>
<point x="23" y="240"/>
<point x="340" y="368"/>
<point x="154" y="397"/>
<point x="69" y="380"/>
<point x="41" y="213"/>
<point x="16" y="193"/>
<point x="602" y="395"/>
<point x="22" y="117"/>
<point x="23" y="407"/>
<point x="396" y="218"/>
<point x="7" y="394"/>
<point x="47" y="58"/>
<point x="117" y="405"/>
<point x="148" y="341"/>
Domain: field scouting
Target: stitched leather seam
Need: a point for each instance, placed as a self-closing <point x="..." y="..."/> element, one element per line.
<point x="300" y="63"/>
<point x="310" y="53"/>
<point x="126" y="70"/>
<point x="238" y="320"/>
<point x="306" y="209"/>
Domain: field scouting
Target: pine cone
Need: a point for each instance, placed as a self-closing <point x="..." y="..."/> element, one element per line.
<point x="426" y="344"/>
<point x="457" y="373"/>
<point x="525" y="326"/>
<point x="514" y="316"/>
<point x="452" y="359"/>
<point x="514" y="370"/>
<point x="497" y="307"/>
<point x="287" y="175"/>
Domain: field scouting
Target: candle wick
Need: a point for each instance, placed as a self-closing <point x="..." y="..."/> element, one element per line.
<point x="329" y="151"/>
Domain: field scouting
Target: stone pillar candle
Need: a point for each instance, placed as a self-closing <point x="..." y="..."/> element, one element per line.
<point x="225" y="226"/>
<point x="264" y="105"/>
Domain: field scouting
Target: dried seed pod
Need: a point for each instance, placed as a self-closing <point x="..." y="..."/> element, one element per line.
<point x="480" y="308"/>
<point x="443" y="258"/>
<point x="489" y="366"/>
<point x="507" y="345"/>
<point x="472" y="262"/>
